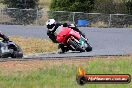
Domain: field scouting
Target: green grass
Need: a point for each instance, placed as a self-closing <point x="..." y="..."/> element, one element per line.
<point x="130" y="26"/>
<point x="44" y="4"/>
<point x="63" y="75"/>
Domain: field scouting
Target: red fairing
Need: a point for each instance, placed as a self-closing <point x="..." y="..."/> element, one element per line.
<point x="75" y="34"/>
<point x="66" y="32"/>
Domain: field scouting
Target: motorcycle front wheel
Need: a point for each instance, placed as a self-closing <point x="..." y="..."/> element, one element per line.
<point x="17" y="52"/>
<point x="88" y="48"/>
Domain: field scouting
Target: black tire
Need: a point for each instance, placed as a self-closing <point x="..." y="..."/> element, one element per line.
<point x="76" y="46"/>
<point x="18" y="53"/>
<point x="89" y="48"/>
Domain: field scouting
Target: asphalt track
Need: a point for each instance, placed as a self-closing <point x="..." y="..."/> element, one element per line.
<point x="105" y="41"/>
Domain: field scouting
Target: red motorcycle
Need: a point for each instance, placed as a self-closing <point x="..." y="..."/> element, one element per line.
<point x="72" y="39"/>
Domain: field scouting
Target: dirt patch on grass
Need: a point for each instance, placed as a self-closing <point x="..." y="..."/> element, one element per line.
<point x="11" y="67"/>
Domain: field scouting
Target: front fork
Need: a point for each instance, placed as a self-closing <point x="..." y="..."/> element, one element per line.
<point x="83" y="41"/>
<point x="73" y="38"/>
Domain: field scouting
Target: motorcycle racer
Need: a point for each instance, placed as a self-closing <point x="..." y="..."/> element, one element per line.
<point x="52" y="26"/>
<point x="4" y="37"/>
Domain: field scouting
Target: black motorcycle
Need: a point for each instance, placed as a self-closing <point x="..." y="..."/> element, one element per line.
<point x="10" y="49"/>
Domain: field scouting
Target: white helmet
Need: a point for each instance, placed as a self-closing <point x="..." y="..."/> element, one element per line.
<point x="51" y="24"/>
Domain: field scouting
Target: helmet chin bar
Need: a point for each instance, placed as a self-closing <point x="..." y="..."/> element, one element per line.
<point x="52" y="29"/>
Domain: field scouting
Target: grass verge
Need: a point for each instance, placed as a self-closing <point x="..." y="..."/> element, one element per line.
<point x="61" y="73"/>
<point x="32" y="45"/>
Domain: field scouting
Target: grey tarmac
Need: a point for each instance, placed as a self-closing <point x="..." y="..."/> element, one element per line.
<point x="105" y="41"/>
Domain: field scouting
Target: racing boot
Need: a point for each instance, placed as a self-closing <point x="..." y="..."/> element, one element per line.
<point x="62" y="48"/>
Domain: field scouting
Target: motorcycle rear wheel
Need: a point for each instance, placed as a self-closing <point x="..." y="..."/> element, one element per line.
<point x="75" y="45"/>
